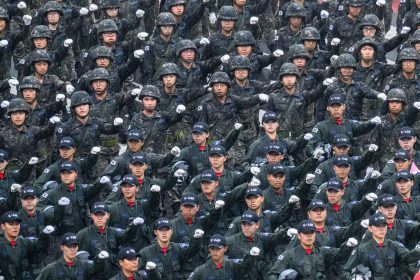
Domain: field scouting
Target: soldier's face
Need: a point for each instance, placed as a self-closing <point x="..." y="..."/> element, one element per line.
<point x="254" y="202"/>
<point x="18" y="118"/>
<point x="288" y="81"/>
<point x="241" y="74"/>
<point x="178" y="10"/>
<point x="40" y="43"/>
<point x="401" y="164"/>
<point x="407" y="143"/>
<point x="408" y="66"/>
<point x="389" y="211"/>
<point x="249" y="229"/>
<point x="169" y="81"/>
<point x="66" y="153"/>
<point x="111" y="12"/>
<point x="317" y="215"/>
<point x="334" y="196"/>
<point x="244" y="50"/>
<point x="395" y="107"/>
<point x="369" y="31"/>
<point x="102" y="62"/>
<point x="29" y="95"/>
<point x="341" y="151"/>
<point x="276" y="180"/>
<point x="134" y="145"/>
<point x="163" y="234"/>
<point x="69" y="251"/>
<point x="188" y="55"/>
<point x="41" y="67"/>
<point x="239" y="3"/>
<point x="53" y="17"/>
<point x="354" y="11"/>
<point x="310" y="45"/>
<point x="300" y="62"/>
<point x="200" y="138"/>
<point x="82" y="111"/>
<point x="166" y="30"/>
<point x="295" y="21"/>
<point x="2" y="25"/>
<point x="270" y="126"/>
<point x="217" y="161"/>
<point x="378" y="232"/>
<point x="149" y="103"/>
<point x="129" y="266"/>
<point x="11" y="229"/>
<point x="273" y="157"/>
<point x="29" y="203"/>
<point x="138" y="169"/>
<point x="367" y="52"/>
<point x="99" y="86"/>
<point x="189" y="211"/>
<point x="418" y="3"/>
<point x="217" y="254"/>
<point x="417" y="46"/>
<point x="307" y="239"/>
<point x="341" y="171"/>
<point x="346" y="72"/>
<point x="68" y="178"/>
<point x="3" y="164"/>
<point x="100" y="219"/>
<point x="129" y="191"/>
<point x="227" y="25"/>
<point x="220" y="89"/>
<point x="336" y="110"/>
<point x="208" y="187"/>
<point x="404" y="186"/>
<point x="109" y="38"/>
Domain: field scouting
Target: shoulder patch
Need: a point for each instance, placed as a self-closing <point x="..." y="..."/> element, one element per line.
<point x="331" y="27"/>
<point x="113" y="162"/>
<point x="387" y="87"/>
<point x="318" y="171"/>
<point x="281" y="257"/>
<point x="115" y="189"/>
<point x="390" y="161"/>
<point x="379" y="187"/>
<point x="200" y="108"/>
<point x="341" y="7"/>
<point x="146" y="48"/>
<point x="280" y="13"/>
<point x="231" y="225"/>
<point x="22" y="61"/>
<point x="46" y="170"/>
<point x="276" y="37"/>
<point x="315" y="130"/>
<point x="351" y="49"/>
<point x="44" y="195"/>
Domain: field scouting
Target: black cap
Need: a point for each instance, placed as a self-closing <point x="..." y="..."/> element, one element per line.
<point x="9" y="217"/>
<point x="377" y="220"/>
<point x="406" y="132"/>
<point x="69" y="238"/>
<point x="162" y="222"/>
<point x="403" y="174"/>
<point x="269" y="116"/>
<point x="209" y="176"/>
<point x="342" y="160"/>
<point x="306" y="226"/>
<point x="276" y="168"/>
<point x="386" y="200"/>
<point x="67" y="142"/>
<point x="99" y="207"/>
<point x="256" y="191"/>
<point x="317" y="203"/>
<point x="127" y="253"/>
<point x="135" y="134"/>
<point x="189" y="199"/>
<point x="129" y="179"/>
<point x="200" y="127"/>
<point x="217" y="150"/>
<point x="217" y="240"/>
<point x="68" y="165"/>
<point x="249" y="217"/>
<point x="336" y="99"/>
<point x="341" y="140"/>
<point x="402" y="154"/>
<point x="138" y="158"/>
<point x="28" y="191"/>
<point x="3" y="155"/>
<point x="335" y="184"/>
<point x="275" y="148"/>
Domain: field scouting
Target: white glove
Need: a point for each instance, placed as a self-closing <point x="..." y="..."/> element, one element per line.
<point x="5" y="104"/>
<point x="375" y="174"/>
<point x="83" y="11"/>
<point x="225" y="58"/>
<point x="60" y="97"/>
<point x="103" y="255"/>
<point x="335" y="42"/>
<point x="253" y="20"/>
<point x="64" y="201"/>
<point x="135" y="91"/>
<point x="328" y="81"/>
<point x="405" y="30"/>
<point x="238" y="126"/>
<point x="204" y="41"/>
<point x="352" y="242"/>
<point x="294" y="199"/>
<point x="140" y="13"/>
<point x="365" y="223"/>
<point x="278" y="53"/>
<point x="27" y="19"/>
<point x="381" y="96"/>
<point x="212" y="18"/>
<point x="324" y="14"/>
<point x="198" y="233"/>
<point x="155" y="188"/>
<point x="138" y="221"/>
<point x="21" y="5"/>
<point x="33" y="160"/>
<point x="380" y="2"/>
<point x="333" y="60"/>
<point x="48" y="230"/>
<point x="15" y="187"/>
<point x="138" y="53"/>
<point x="150" y="265"/>
<point x="104" y="180"/>
<point x="118" y="121"/>
<point x="255" y="251"/>
<point x="318" y="152"/>
<point x="417" y="105"/>
<point x="95" y="150"/>
<point x="219" y="204"/>
<point x="254" y="182"/>
<point x="142" y="35"/>
<point x="68" y="43"/>
<point x="93" y="7"/>
<point x="309" y="178"/>
<point x="371" y="196"/>
<point x="263" y="97"/>
<point x="308" y="136"/>
<point x="292" y="232"/>
<point x="376" y="120"/>
<point x="70" y="89"/>
<point x="176" y="151"/>
<point x="180" y="109"/>
<point x="13" y="82"/>
<point x="54" y="120"/>
<point x="3" y="43"/>
<point x="180" y="173"/>
<point x="255" y="170"/>
<point x="373" y="148"/>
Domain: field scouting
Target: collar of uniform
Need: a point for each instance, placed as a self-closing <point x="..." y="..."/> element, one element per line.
<point x="160" y="41"/>
<point x="23" y="130"/>
<point x="377" y="245"/>
<point x="341" y="84"/>
<point x="333" y="121"/>
<point x="303" y="250"/>
<point x="156" y="115"/>
<point x="399" y="198"/>
<point x="95" y="228"/>
<point x="234" y="85"/>
<point x="159" y="249"/>
<point x="107" y="98"/>
<point x="89" y="121"/>
<point x="268" y="140"/>
<point x="64" y="263"/>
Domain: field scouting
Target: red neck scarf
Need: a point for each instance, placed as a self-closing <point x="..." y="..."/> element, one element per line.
<point x="320" y="229"/>
<point x="12" y="243"/>
<point x="339" y="122"/>
<point x="69" y="264"/>
<point x="380" y="244"/>
<point x="202" y="148"/>
<point x="390" y="225"/>
<point x="344" y="185"/>
<point x="140" y="181"/>
<point x="130" y="204"/>
<point x="407" y="200"/>
<point x="218" y="174"/>
<point x="250" y="238"/>
<point x="130" y="278"/>
<point x="308" y="251"/>
<point x="31" y="215"/>
<point x="71" y="188"/>
<point x="101" y="230"/>
<point x="336" y="207"/>
<point x="2" y="176"/>
<point x="219" y="266"/>
<point x="189" y="221"/>
<point x="164" y="250"/>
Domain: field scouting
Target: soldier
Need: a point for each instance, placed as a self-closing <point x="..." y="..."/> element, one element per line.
<point x="408" y="204"/>
<point x="311" y="40"/>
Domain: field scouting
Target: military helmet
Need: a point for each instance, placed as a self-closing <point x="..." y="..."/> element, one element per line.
<point x="240" y="62"/>
<point x="227" y="13"/>
<point x="79" y="98"/>
<point x="219" y="77"/>
<point x="370" y="20"/>
<point x="288" y="69"/>
<point x="310" y="33"/>
<point x="408" y="54"/>
<point x="165" y="19"/>
<point x="171" y="3"/>
<point x="244" y="38"/>
<point x="298" y="50"/>
<point x="99" y="74"/>
<point x="107" y="25"/>
<point x="397" y="94"/>
<point x="109" y="4"/>
<point x="295" y="10"/>
<point x="41" y="31"/>
<point x="416" y="37"/>
<point x="185" y="45"/>
<point x="102" y="51"/>
<point x="354" y="3"/>
<point x="367" y="41"/>
<point x="150" y="90"/>
<point x="17" y="105"/>
<point x="30" y="82"/>
<point x="53" y="6"/>
<point x="169" y="69"/>
<point x="346" y="60"/>
<point x="4" y="14"/>
<point x="40" y="55"/>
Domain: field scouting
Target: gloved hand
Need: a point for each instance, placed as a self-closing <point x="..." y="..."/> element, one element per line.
<point x="212" y="18"/>
<point x="254" y="182"/>
<point x="4" y="104"/>
<point x="68" y="43"/>
<point x="417" y="105"/>
<point x="219" y="204"/>
<point x="27" y="19"/>
<point x="140" y="13"/>
<point x="292" y="232"/>
<point x="54" y="119"/>
<point x="155" y="188"/>
<point x="13" y="82"/>
<point x="180" y="173"/>
<point x="180" y="109"/>
<point x="93" y="7"/>
<point x="138" y="53"/>
<point x="198" y="233"/>
<point x="380" y="3"/>
<point x="278" y="53"/>
<point x="263" y="97"/>
<point x="352" y="242"/>
<point x="176" y="151"/>
<point x="365" y="223"/>
<point x="333" y="60"/>
<point x="48" y="229"/>
<point x="310" y="178"/>
<point x="83" y="11"/>
<point x="138" y="221"/>
<point x="255" y="170"/>
<point x="33" y="160"/>
<point x="335" y="42"/>
<point x="95" y="150"/>
<point x="204" y="41"/>
<point x="376" y="120"/>
<point x="21" y="5"/>
<point x="294" y="199"/>
<point x="381" y="96"/>
<point x="328" y="81"/>
<point x="405" y="30"/>
<point x="60" y="97"/>
<point x="70" y="89"/>
<point x="103" y="255"/>
<point x="324" y="14"/>
<point x="150" y="265"/>
<point x="373" y="148"/>
<point x="118" y="121"/>
<point x="238" y="126"/>
<point x="3" y="43"/>
<point x="253" y="20"/>
<point x="64" y="201"/>
<point x="371" y="196"/>
<point x="15" y="187"/>
<point x="225" y="58"/>
<point x="104" y="180"/>
<point x="308" y="136"/>
<point x="135" y="91"/>
<point x="255" y="251"/>
<point x="375" y="174"/>
<point x="318" y="152"/>
<point x="142" y="35"/>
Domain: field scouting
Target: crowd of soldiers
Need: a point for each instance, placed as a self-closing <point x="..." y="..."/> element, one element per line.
<point x="209" y="140"/>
